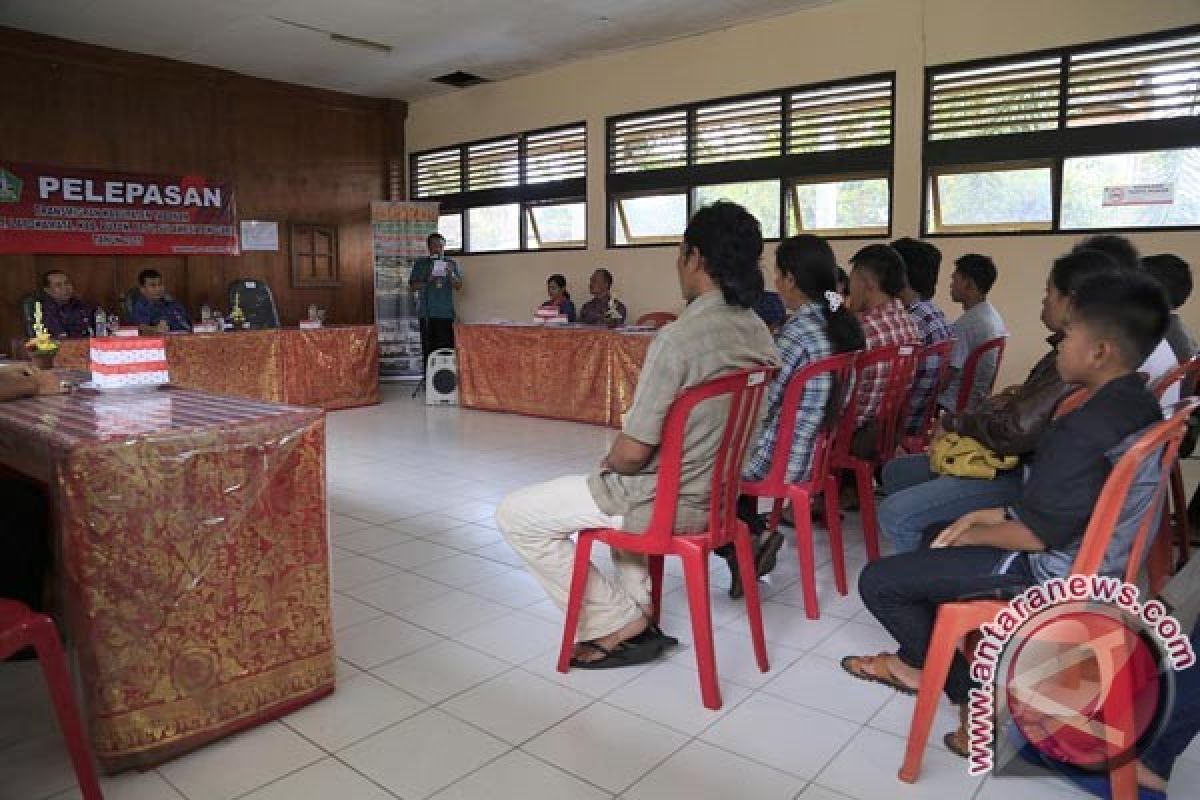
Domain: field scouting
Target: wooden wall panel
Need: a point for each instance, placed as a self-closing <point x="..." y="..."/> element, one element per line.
<point x="293" y="154"/>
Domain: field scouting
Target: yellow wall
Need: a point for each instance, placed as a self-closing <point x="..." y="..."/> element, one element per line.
<point x="846" y="39"/>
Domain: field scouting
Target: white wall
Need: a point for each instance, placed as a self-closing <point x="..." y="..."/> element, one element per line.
<point x="846" y="39"/>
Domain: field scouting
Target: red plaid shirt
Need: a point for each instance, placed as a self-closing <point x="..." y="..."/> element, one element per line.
<point x="884" y="326"/>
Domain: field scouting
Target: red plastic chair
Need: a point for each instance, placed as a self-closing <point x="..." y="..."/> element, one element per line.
<point x="972" y="366"/>
<point x="956" y="620"/>
<point x="900" y="364"/>
<point x="919" y="442"/>
<point x="1176" y="527"/>
<point x="656" y="319"/>
<point x="744" y="391"/>
<point x="21" y="628"/>
<point x="821" y="480"/>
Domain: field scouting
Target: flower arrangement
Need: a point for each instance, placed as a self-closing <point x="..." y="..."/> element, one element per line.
<point x="236" y="315"/>
<point x="42" y="348"/>
<point x="612" y="316"/>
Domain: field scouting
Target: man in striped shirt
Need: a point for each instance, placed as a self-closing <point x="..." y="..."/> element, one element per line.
<point x="921" y="263"/>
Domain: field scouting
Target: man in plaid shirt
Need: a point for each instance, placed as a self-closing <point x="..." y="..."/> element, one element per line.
<point x="876" y="281"/>
<point x="921" y="262"/>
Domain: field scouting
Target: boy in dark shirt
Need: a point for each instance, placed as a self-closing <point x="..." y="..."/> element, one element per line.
<point x="1116" y="320"/>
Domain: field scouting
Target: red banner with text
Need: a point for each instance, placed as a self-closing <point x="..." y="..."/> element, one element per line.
<point x="76" y="211"/>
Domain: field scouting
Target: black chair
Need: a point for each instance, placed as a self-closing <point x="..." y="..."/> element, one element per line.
<point x="27" y="313"/>
<point x="256" y="301"/>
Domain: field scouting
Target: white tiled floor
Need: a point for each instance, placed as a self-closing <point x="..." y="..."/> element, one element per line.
<point x="447" y="685"/>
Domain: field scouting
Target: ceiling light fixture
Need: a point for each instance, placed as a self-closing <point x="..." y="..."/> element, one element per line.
<point x="340" y="38"/>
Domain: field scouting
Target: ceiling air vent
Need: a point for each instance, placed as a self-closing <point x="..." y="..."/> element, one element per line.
<point x="460" y="79"/>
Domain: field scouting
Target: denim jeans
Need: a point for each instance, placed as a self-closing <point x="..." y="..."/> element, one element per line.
<point x="919" y="499"/>
<point x="904" y="592"/>
<point x="1183" y="723"/>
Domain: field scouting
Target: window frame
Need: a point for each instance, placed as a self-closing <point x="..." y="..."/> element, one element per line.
<point x="994" y="228"/>
<point x="525" y="195"/>
<point x="786" y="167"/>
<point x="791" y="202"/>
<point x="298" y="232"/>
<point x="1050" y="146"/>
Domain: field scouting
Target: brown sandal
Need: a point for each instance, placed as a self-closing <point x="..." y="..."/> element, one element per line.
<point x="875" y="669"/>
<point x="958" y="741"/>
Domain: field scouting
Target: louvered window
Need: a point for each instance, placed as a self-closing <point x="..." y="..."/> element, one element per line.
<point x="648" y="142"/>
<point x="738" y="130"/>
<point x="1145" y="82"/>
<point x="990" y="101"/>
<point x="1101" y="136"/>
<point x="840" y="118"/>
<point x="437" y="173"/>
<point x="520" y="192"/>
<point x="493" y="165"/>
<point x="556" y="155"/>
<point x="833" y="139"/>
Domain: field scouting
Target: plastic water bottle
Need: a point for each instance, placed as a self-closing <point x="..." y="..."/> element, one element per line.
<point x="205" y="313"/>
<point x="101" y="323"/>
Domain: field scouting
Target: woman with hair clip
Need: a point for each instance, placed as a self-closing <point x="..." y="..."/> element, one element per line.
<point x="820" y="325"/>
<point x="560" y="298"/>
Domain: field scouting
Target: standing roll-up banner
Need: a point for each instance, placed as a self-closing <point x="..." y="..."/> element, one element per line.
<point x="398" y="232"/>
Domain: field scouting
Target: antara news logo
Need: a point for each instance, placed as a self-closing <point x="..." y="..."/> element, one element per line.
<point x="1078" y="670"/>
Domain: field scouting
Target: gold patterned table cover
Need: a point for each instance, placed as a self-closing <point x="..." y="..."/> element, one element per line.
<point x="192" y="559"/>
<point x="581" y="374"/>
<point x="330" y="368"/>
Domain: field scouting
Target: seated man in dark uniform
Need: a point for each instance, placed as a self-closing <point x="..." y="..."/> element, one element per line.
<point x="64" y="314"/>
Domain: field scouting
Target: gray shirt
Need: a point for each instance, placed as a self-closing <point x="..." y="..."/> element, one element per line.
<point x="711" y="338"/>
<point x="972" y="329"/>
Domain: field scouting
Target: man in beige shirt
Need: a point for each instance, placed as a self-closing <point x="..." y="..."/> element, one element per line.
<point x="718" y="332"/>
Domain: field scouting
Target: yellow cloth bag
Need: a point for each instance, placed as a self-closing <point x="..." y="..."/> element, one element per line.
<point x="964" y="457"/>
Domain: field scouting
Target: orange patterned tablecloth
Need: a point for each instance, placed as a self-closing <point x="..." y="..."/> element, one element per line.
<point x="330" y="368"/>
<point x="192" y="558"/>
<point x="577" y="374"/>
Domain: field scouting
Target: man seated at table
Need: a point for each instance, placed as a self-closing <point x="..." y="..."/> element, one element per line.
<point x="25" y="551"/>
<point x="597" y="310"/>
<point x="717" y="333"/>
<point x="64" y="315"/>
<point x="153" y="309"/>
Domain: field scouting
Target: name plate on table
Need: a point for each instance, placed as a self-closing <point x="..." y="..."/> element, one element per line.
<point x="310" y="324"/>
<point x="127" y="331"/>
<point x="204" y="327"/>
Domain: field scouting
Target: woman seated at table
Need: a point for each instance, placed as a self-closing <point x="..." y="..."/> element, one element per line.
<point x="806" y="276"/>
<point x="560" y="298"/>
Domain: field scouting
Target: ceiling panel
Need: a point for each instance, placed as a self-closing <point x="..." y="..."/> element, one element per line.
<point x="288" y="40"/>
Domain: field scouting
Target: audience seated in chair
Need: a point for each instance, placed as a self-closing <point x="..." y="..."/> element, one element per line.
<point x="603" y="308"/>
<point x="1175" y="276"/>
<point x="154" y="311"/>
<point x="1163" y="359"/>
<point x="771" y="309"/>
<point x="820" y="325"/>
<point x="717" y="333"/>
<point x="1009" y="424"/>
<point x="974" y="275"/>
<point x="921" y="264"/>
<point x="64" y="315"/>
<point x="1116" y="320"/>
<point x="876" y="282"/>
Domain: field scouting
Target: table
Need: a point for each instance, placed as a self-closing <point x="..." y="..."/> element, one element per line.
<point x="331" y="368"/>
<point x="576" y="373"/>
<point x="191" y="557"/>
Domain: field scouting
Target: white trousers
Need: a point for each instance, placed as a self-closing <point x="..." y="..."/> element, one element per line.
<point x="539" y="521"/>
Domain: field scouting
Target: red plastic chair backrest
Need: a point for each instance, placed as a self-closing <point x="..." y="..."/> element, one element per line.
<point x="1162" y="439"/>
<point x="895" y="399"/>
<point x="883" y="358"/>
<point x="656" y="318"/>
<point x="840" y="368"/>
<point x="1186" y="374"/>
<point x="744" y="390"/>
<point x="941" y="351"/>
<point x="972" y="366"/>
<point x="1071" y="402"/>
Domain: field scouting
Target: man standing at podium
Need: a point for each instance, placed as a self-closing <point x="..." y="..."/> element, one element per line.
<point x="436" y="278"/>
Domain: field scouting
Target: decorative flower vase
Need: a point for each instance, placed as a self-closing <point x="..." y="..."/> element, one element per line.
<point x="43" y="359"/>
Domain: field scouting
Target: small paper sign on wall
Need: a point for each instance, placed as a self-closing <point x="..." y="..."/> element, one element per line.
<point x="260" y="235"/>
<point x="1142" y="194"/>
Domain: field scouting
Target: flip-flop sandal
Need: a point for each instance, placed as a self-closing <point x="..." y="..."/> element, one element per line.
<point x="954" y="745"/>
<point x="765" y="560"/>
<point x="653" y="631"/>
<point x="628" y="653"/>
<point x="887" y="678"/>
